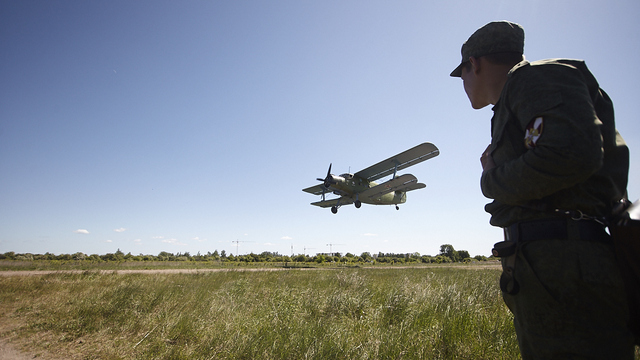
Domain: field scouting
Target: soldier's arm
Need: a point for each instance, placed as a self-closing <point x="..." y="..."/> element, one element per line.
<point x="567" y="151"/>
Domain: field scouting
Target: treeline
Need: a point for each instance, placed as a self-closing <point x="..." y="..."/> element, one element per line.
<point x="447" y="255"/>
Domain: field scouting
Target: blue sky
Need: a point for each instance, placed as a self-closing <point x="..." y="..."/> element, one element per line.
<point x="184" y="126"/>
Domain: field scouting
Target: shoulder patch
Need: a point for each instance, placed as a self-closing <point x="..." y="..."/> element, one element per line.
<point x="533" y="133"/>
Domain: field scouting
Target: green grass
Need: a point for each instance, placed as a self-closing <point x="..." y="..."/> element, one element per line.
<point x="64" y="265"/>
<point x="377" y="313"/>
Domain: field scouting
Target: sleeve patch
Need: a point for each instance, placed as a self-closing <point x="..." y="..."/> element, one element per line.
<point x="533" y="133"/>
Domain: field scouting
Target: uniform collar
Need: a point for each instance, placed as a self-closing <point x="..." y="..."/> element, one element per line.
<point x="519" y="65"/>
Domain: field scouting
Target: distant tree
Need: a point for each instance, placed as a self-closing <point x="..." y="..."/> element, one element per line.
<point x="95" y="257"/>
<point x="440" y="259"/>
<point x="464" y="254"/>
<point x="24" y="257"/>
<point x="448" y="251"/>
<point x="65" y="257"/>
<point x="109" y="257"/>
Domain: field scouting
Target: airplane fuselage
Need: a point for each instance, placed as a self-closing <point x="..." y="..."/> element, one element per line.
<point x="349" y="185"/>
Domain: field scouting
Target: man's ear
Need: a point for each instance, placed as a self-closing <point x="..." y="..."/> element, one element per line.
<point x="475" y="64"/>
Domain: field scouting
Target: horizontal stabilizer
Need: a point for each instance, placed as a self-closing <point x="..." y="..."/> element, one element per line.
<point x="413" y="186"/>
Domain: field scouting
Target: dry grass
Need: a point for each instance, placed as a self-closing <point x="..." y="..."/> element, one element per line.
<point x="412" y="313"/>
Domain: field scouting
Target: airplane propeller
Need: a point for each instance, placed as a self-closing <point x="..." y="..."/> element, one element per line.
<point x="327" y="181"/>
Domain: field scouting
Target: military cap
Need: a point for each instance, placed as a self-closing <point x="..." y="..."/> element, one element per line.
<point x="495" y="37"/>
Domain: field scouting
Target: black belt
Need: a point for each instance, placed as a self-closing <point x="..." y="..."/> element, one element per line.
<point x="557" y="229"/>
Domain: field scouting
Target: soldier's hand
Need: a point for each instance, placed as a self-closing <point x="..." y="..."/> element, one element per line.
<point x="486" y="160"/>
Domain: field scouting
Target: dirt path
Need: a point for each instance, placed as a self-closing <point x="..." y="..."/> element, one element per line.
<point x="10" y="352"/>
<point x="10" y="348"/>
<point x="202" y="271"/>
<point x="7" y="352"/>
<point x="130" y="271"/>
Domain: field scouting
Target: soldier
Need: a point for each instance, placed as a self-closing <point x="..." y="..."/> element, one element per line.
<point x="555" y="168"/>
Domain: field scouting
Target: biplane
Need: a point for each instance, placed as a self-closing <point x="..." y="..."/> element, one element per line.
<point x="360" y="187"/>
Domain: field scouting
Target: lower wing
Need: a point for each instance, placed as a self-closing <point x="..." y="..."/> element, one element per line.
<point x="329" y="203"/>
<point x="406" y="182"/>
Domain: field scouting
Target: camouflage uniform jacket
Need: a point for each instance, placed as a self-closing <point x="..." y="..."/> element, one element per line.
<point x="554" y="144"/>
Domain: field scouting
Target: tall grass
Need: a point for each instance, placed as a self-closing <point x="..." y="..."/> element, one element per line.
<point x="413" y="313"/>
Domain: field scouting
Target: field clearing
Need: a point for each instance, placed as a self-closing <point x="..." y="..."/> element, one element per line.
<point x="23" y="270"/>
<point x="434" y="312"/>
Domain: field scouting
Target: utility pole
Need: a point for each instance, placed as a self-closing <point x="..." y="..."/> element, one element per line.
<point x="331" y="248"/>
<point x="237" y="242"/>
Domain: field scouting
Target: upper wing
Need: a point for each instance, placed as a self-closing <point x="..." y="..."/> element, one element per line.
<point x="406" y="182"/>
<point x="403" y="160"/>
<point x="330" y="203"/>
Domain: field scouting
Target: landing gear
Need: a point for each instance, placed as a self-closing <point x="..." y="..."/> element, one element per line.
<point x="334" y="209"/>
<point x="357" y="203"/>
<point x="397" y="207"/>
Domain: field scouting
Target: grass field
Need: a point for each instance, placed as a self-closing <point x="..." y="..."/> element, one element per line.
<point x="368" y="313"/>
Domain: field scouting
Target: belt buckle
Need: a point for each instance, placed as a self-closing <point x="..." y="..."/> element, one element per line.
<point x="511" y="232"/>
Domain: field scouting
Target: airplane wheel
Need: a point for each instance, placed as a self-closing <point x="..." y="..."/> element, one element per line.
<point x="358" y="203"/>
<point x="397" y="207"/>
<point x="334" y="209"/>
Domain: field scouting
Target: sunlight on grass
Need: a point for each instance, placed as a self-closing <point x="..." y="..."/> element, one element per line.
<point x="413" y="313"/>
